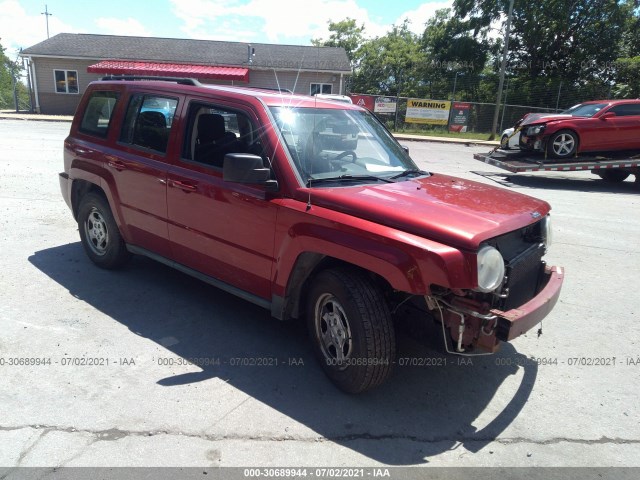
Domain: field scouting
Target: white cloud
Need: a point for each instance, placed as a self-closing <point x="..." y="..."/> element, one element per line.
<point x="280" y="21"/>
<point x="117" y="26"/>
<point x="293" y="18"/>
<point x="20" y="29"/>
<point x="420" y="15"/>
<point x="195" y="13"/>
<point x="283" y="21"/>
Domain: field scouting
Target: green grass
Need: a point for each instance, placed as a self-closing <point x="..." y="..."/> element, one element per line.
<point x="443" y="133"/>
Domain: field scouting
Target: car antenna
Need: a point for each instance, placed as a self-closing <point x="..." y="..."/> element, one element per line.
<point x="309" y="187"/>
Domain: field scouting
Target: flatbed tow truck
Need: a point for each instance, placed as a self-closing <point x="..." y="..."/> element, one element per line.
<point x="611" y="167"/>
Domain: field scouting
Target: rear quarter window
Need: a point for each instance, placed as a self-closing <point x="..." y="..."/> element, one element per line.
<point x="627" y="110"/>
<point x="97" y="114"/>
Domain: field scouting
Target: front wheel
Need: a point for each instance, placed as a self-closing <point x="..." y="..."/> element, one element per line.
<point x="504" y="142"/>
<point x="351" y="329"/>
<point x="99" y="233"/>
<point x="562" y="144"/>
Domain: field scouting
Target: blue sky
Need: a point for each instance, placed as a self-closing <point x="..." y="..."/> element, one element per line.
<point x="23" y="25"/>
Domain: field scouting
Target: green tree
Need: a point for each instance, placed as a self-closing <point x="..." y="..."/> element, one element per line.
<point x="574" y="41"/>
<point x="627" y="67"/>
<point x="630" y="46"/>
<point x="390" y="64"/>
<point x="455" y="56"/>
<point x="9" y="79"/>
<point x="346" y="34"/>
<point x="627" y="78"/>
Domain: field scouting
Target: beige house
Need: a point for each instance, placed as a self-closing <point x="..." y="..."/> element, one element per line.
<point x="61" y="67"/>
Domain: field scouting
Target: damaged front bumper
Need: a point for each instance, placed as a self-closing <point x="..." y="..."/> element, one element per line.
<point x="476" y="325"/>
<point x="515" y="322"/>
<point x="533" y="143"/>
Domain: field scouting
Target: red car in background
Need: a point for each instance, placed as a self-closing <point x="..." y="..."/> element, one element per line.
<point x="596" y="126"/>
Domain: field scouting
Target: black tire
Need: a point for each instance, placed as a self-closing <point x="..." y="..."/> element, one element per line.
<point x="99" y="233"/>
<point x="613" y="176"/>
<point x="504" y="142"/>
<point x="363" y="330"/>
<point x="562" y="144"/>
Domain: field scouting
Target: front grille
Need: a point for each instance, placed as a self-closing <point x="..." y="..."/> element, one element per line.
<point x="522" y="277"/>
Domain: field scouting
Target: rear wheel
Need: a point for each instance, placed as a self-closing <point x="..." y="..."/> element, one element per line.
<point x="99" y="232"/>
<point x="562" y="144"/>
<point x="613" y="176"/>
<point x="504" y="142"/>
<point x="351" y="329"/>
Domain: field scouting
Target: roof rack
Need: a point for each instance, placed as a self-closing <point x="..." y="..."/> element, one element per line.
<point x="272" y="89"/>
<point x="178" y="80"/>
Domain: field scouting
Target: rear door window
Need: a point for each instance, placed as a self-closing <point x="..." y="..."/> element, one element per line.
<point x="148" y="122"/>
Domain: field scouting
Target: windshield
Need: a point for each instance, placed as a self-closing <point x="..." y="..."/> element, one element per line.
<point x="331" y="143"/>
<point x="585" y="110"/>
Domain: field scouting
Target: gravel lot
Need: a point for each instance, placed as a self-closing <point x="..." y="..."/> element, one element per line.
<point x="141" y="404"/>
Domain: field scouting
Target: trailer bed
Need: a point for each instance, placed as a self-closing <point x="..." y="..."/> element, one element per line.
<point x="519" y="161"/>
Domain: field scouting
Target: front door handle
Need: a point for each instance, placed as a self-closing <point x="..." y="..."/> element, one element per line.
<point x="184" y="186"/>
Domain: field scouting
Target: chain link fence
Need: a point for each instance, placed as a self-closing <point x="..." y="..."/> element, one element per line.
<point x="520" y="96"/>
<point x="7" y="102"/>
<point x="480" y="119"/>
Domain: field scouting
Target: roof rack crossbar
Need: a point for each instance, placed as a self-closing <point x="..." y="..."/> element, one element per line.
<point x="178" y="80"/>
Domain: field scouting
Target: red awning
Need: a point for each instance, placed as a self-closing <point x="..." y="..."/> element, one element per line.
<point x="120" y="67"/>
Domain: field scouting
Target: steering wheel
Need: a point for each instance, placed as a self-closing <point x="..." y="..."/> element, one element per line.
<point x="345" y="153"/>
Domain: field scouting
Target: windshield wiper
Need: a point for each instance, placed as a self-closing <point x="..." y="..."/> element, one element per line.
<point x="406" y="173"/>
<point x="346" y="178"/>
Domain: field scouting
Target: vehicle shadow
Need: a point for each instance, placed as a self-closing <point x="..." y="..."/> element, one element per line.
<point x="423" y="410"/>
<point x="560" y="181"/>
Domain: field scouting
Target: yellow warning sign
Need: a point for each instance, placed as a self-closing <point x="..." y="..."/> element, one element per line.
<point x="434" y="112"/>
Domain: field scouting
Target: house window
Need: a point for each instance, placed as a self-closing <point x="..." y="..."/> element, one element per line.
<point x="66" y="81"/>
<point x="320" y="88"/>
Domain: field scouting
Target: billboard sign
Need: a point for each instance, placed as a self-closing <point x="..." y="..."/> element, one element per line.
<point x="366" y="101"/>
<point x="459" y="118"/>
<point x="385" y="105"/>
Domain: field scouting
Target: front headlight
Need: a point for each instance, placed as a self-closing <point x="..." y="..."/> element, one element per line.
<point x="546" y="232"/>
<point x="490" y="269"/>
<point x="535" y="130"/>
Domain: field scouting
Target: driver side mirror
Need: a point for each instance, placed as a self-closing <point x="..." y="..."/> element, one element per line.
<point x="247" y="168"/>
<point x="608" y="115"/>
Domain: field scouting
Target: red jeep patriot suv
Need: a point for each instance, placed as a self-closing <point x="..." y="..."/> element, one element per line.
<point x="309" y="208"/>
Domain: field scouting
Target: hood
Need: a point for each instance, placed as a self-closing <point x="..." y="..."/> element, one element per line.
<point x="546" y="117"/>
<point x="449" y="210"/>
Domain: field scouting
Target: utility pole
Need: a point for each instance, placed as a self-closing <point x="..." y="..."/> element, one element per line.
<point x="504" y="105"/>
<point x="560" y="90"/>
<point x="455" y="80"/>
<point x="503" y="67"/>
<point x="26" y="65"/>
<point x="46" y="16"/>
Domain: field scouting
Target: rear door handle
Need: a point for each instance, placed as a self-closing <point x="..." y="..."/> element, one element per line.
<point x="184" y="186"/>
<point x="113" y="162"/>
<point x="80" y="151"/>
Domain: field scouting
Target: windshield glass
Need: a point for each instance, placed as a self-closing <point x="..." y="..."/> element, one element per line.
<point x="328" y="143"/>
<point x="588" y="110"/>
